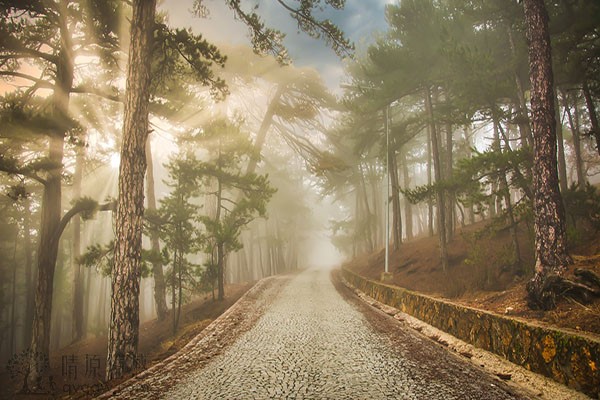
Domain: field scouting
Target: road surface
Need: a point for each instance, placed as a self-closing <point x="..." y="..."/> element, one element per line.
<point x="311" y="343"/>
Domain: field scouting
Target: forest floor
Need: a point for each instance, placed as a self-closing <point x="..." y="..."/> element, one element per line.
<point x="77" y="370"/>
<point x="480" y="276"/>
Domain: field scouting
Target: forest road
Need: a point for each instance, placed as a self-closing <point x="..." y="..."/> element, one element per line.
<point x="312" y="342"/>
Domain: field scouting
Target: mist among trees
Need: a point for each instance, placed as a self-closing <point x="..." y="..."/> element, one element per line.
<point x="143" y="167"/>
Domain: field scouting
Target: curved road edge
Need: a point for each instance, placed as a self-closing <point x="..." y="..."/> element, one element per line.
<point x="518" y="378"/>
<point x="209" y="343"/>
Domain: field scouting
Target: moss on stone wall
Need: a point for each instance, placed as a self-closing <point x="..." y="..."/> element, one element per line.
<point x="565" y="357"/>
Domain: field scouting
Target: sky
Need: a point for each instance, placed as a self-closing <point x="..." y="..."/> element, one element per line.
<point x="360" y="20"/>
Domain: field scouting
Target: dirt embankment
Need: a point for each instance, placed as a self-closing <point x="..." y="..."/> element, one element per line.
<point x="481" y="274"/>
<point x="78" y="369"/>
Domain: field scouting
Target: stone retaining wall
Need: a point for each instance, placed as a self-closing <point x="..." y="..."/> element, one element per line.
<point x="566" y="357"/>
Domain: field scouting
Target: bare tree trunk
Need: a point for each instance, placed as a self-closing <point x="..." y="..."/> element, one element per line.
<point x="78" y="327"/>
<point x="551" y="253"/>
<point x="522" y="112"/>
<point x="396" y="212"/>
<point x="450" y="198"/>
<point x="261" y="135"/>
<point x="160" y="286"/>
<point x="429" y="167"/>
<point x="13" y="303"/>
<point x="124" y="320"/>
<point x="408" y="215"/>
<point x="29" y="284"/>
<point x="51" y="207"/>
<point x="574" y="125"/>
<point x="562" y="164"/>
<point x="369" y="215"/>
<point x="438" y="178"/>
<point x="505" y="189"/>
<point x="593" y="116"/>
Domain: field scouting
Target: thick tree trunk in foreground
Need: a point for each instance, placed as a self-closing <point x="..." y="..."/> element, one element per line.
<point x="124" y="313"/>
<point x="157" y="268"/>
<point x="549" y="224"/>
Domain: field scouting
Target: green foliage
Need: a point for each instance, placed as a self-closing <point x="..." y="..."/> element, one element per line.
<point x="582" y="204"/>
<point x="98" y="256"/>
<point x="240" y="197"/>
<point x="270" y="41"/>
<point x="87" y="207"/>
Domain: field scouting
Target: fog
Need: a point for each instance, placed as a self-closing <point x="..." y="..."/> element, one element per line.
<point x="411" y="121"/>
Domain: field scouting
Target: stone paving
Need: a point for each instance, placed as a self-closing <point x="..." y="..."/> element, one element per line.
<point x="312" y="344"/>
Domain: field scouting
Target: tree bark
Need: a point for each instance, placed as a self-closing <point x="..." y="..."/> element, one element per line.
<point x="51" y="214"/>
<point x="160" y="286"/>
<point x="438" y="178"/>
<point x="29" y="283"/>
<point x="408" y="215"/>
<point x="124" y="313"/>
<point x="593" y="116"/>
<point x="574" y="125"/>
<point x="429" y="169"/>
<point x="261" y="135"/>
<point x="78" y="328"/>
<point x="522" y="112"/>
<point x="551" y="253"/>
<point x="562" y="163"/>
<point x="396" y="212"/>
<point x="450" y="198"/>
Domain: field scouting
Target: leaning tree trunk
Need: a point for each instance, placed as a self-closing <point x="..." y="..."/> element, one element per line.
<point x="160" y="286"/>
<point x="551" y="253"/>
<point x="124" y="313"/>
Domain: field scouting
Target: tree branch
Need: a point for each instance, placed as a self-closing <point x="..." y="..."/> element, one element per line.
<point x="78" y="208"/>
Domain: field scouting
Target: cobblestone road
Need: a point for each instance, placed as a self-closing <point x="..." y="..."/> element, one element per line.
<point x="312" y="344"/>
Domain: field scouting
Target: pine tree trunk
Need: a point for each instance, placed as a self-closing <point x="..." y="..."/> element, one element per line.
<point x="261" y="135"/>
<point x="13" y="313"/>
<point x="429" y="169"/>
<point x="562" y="163"/>
<point x="593" y="116"/>
<point x="124" y="314"/>
<point x="438" y="178"/>
<point x="29" y="283"/>
<point x="408" y="215"/>
<point x="160" y="286"/>
<point x="396" y="212"/>
<point x="450" y="198"/>
<point x="51" y="205"/>
<point x="78" y="328"/>
<point x="47" y="251"/>
<point x="221" y="269"/>
<point x="551" y="253"/>
<point x="574" y="125"/>
<point x="522" y="113"/>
